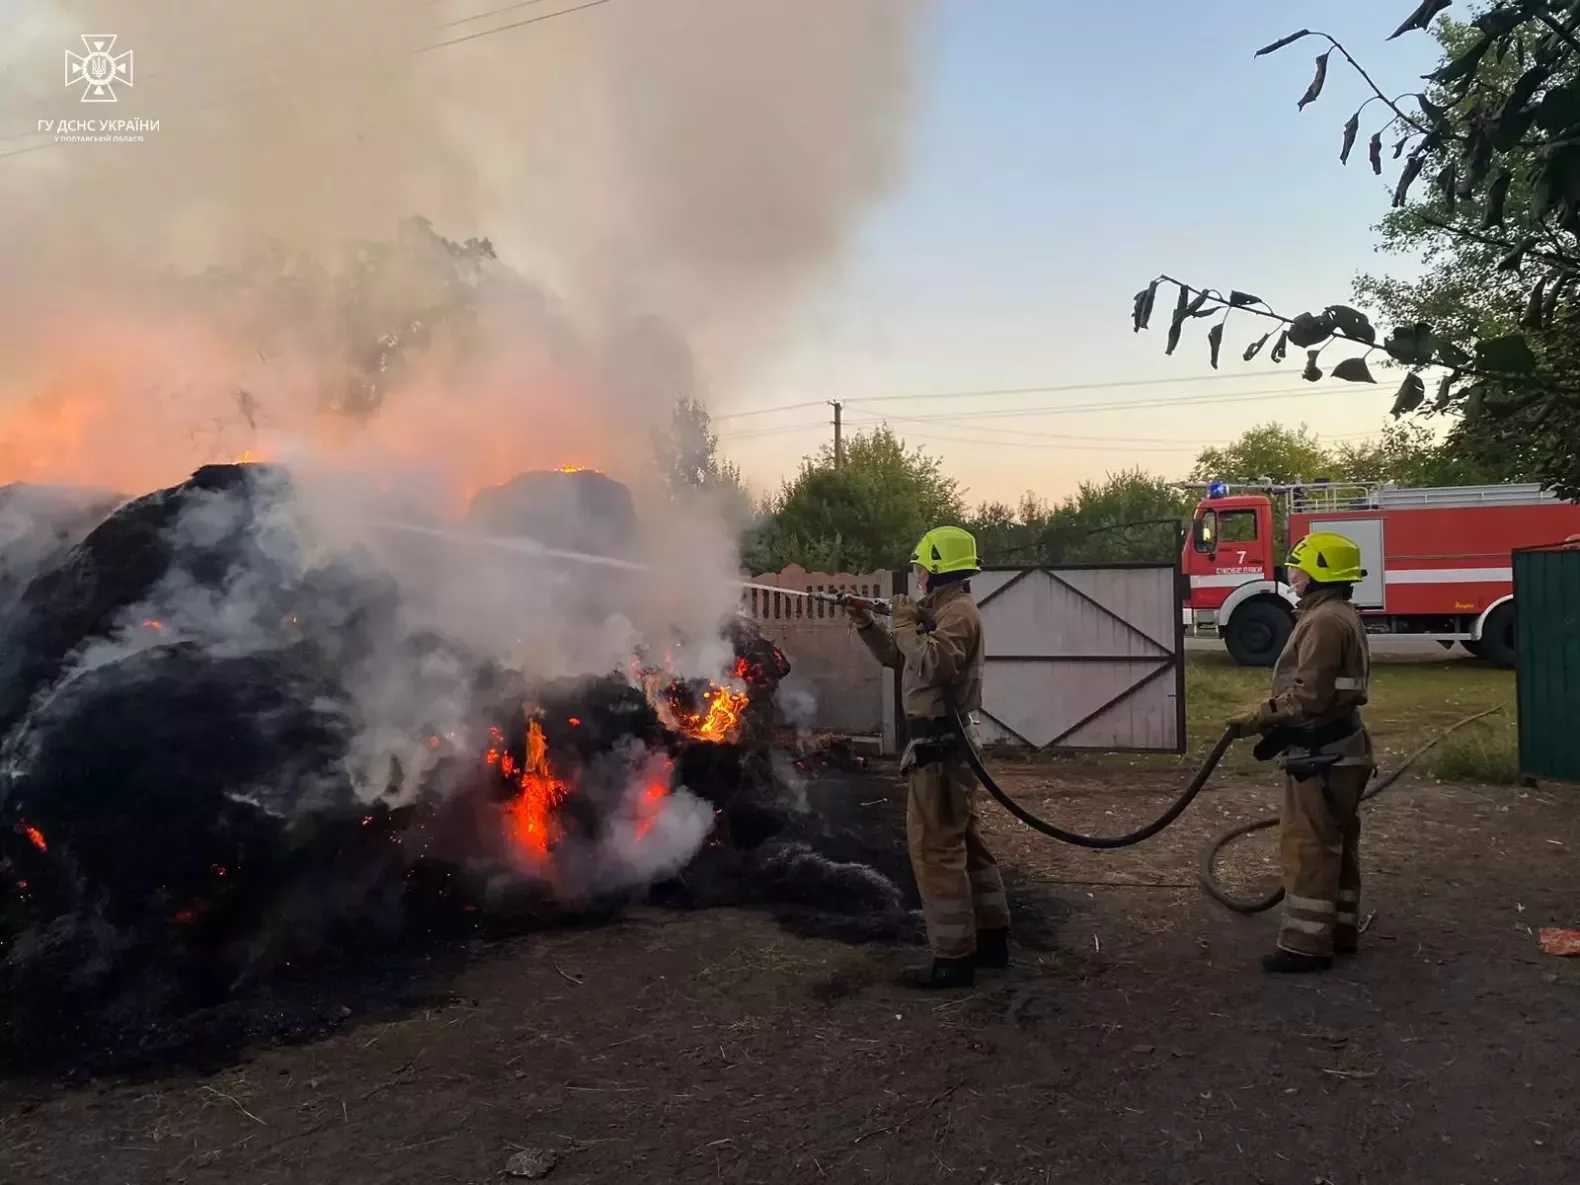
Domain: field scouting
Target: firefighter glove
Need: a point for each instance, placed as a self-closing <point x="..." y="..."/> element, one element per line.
<point x="1247" y="723"/>
<point x="906" y="612"/>
<point x="860" y="616"/>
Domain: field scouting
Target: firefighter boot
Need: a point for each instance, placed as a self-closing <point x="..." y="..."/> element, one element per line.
<point x="1289" y="962"/>
<point x="942" y="974"/>
<point x="992" y="950"/>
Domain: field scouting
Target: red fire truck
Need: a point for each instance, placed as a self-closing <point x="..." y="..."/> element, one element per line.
<point x="1437" y="560"/>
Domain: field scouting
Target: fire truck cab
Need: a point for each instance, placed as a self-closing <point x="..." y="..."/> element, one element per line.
<point x="1437" y="560"/>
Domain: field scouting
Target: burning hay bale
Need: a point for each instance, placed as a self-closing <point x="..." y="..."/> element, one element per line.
<point x="207" y="778"/>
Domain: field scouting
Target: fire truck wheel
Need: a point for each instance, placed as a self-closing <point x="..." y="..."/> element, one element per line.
<point x="1257" y="633"/>
<point x="1497" y="636"/>
<point x="1473" y="649"/>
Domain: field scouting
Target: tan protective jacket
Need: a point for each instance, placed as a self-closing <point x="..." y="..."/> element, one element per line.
<point x="949" y="656"/>
<point x="1322" y="673"/>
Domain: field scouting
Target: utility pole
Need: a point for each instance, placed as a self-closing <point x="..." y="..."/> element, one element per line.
<point x="839" y="439"/>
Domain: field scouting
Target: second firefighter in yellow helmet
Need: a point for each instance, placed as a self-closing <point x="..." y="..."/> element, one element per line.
<point x="936" y="644"/>
<point x="1312" y="726"/>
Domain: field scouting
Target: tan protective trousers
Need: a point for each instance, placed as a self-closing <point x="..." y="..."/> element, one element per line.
<point x="1319" y="839"/>
<point x="961" y="889"/>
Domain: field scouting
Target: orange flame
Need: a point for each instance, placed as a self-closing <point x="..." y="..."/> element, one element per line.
<point x="718" y="721"/>
<point x="573" y="469"/>
<point x="529" y="819"/>
<point x="34" y="836"/>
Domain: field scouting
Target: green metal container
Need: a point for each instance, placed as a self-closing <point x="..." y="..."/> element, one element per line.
<point x="1547" y="637"/>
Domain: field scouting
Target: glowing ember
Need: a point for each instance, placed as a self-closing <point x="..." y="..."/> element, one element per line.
<point x="530" y="817"/>
<point x="34" y="836"/>
<point x="651" y="801"/>
<point x="151" y="624"/>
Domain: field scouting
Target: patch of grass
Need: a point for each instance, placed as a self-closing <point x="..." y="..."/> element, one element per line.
<point x="1410" y="698"/>
<point x="1486" y="752"/>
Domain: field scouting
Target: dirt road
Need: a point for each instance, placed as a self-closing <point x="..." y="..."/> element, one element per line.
<point x="1141" y="1047"/>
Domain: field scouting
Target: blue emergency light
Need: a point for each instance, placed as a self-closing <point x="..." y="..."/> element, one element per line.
<point x="1217" y="489"/>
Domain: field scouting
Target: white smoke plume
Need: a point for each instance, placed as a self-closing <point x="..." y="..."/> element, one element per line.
<point x="662" y="182"/>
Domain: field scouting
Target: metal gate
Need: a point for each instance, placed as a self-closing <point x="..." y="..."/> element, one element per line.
<point x="1547" y="668"/>
<point x="1083" y="658"/>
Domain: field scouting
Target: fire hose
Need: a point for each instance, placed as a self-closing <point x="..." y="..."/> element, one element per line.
<point x="1210" y="855"/>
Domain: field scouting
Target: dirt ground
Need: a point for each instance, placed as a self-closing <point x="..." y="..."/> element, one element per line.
<point x="1142" y="1046"/>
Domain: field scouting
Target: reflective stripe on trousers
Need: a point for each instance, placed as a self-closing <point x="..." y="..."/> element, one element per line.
<point x="1319" y="841"/>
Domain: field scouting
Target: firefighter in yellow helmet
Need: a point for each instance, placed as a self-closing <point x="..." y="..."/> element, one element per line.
<point x="937" y="644"/>
<point x="1312" y="726"/>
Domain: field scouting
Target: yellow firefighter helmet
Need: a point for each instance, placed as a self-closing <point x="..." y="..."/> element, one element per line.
<point x="947" y="549"/>
<point x="1328" y="558"/>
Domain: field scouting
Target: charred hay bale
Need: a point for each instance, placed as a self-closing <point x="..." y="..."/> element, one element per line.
<point x="121" y="560"/>
<point x="39" y="525"/>
<point x="173" y="775"/>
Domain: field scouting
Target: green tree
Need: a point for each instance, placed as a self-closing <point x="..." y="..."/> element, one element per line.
<point x="686" y="455"/>
<point x="1269" y="451"/>
<point x="1128" y="516"/>
<point x="1491" y="160"/>
<point x="861" y="516"/>
<point x="1408" y="454"/>
<point x="1008" y="534"/>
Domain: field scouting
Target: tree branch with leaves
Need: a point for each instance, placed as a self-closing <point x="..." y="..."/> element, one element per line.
<point x="1496" y="134"/>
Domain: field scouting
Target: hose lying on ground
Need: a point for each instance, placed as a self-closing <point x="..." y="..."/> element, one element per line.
<point x="1199" y="780"/>
<point x="1210" y="854"/>
<point x="974" y="759"/>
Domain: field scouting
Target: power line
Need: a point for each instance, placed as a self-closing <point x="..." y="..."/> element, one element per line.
<point x="1276" y="393"/>
<point x="998" y="391"/>
<point x="521" y="24"/>
<point x="1111" y="439"/>
<point x="223" y="100"/>
<point x="1050" y="440"/>
<point x="1055" y="446"/>
<point x="1146" y="404"/>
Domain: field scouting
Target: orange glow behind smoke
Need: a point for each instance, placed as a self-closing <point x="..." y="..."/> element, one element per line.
<point x="129" y="401"/>
<point x="651" y="800"/>
<point x="34" y="836"/>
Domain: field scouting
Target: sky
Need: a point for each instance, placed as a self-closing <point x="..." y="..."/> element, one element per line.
<point x="1063" y="155"/>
